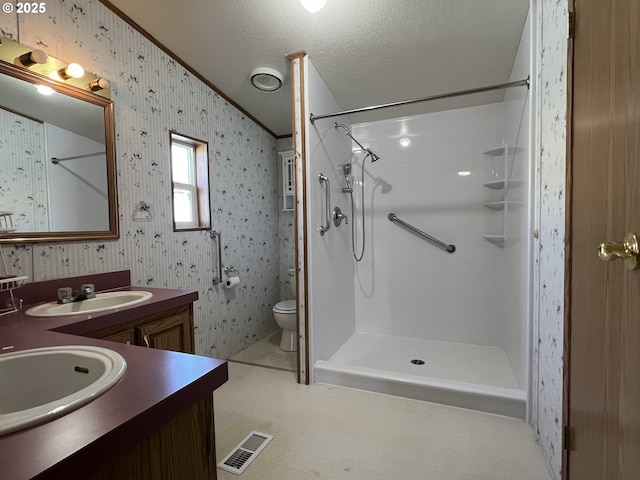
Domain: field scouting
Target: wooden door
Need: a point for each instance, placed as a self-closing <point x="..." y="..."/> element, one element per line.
<point x="602" y="406"/>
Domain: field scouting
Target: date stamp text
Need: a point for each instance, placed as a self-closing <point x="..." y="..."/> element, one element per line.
<point x="28" y="7"/>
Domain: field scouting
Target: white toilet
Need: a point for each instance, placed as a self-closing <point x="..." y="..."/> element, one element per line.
<point x="284" y="313"/>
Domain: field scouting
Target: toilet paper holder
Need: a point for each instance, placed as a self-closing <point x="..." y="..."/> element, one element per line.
<point x="233" y="277"/>
<point x="229" y="270"/>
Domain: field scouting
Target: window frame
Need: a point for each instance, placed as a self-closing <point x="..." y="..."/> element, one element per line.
<point x="200" y="189"/>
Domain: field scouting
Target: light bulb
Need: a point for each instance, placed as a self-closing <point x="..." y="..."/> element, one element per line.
<point x="98" y="84"/>
<point x="72" y="70"/>
<point x="75" y="70"/>
<point x="31" y="58"/>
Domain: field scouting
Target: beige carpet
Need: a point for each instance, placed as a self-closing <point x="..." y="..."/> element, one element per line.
<point x="266" y="353"/>
<point x="333" y="433"/>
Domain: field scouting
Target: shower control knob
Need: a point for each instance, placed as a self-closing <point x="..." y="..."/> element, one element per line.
<point x="338" y="216"/>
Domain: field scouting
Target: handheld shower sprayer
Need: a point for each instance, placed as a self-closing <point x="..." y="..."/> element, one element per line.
<point x="347" y="178"/>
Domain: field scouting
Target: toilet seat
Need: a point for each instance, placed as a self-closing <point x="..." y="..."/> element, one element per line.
<point x="285" y="306"/>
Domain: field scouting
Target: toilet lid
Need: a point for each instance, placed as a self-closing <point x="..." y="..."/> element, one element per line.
<point x="285" y="306"/>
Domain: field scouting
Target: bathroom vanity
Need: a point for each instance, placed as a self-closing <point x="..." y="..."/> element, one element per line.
<point x="156" y="422"/>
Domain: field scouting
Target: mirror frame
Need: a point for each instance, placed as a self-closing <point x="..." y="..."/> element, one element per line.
<point x="110" y="147"/>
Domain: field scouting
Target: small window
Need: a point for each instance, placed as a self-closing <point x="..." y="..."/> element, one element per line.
<point x="190" y="183"/>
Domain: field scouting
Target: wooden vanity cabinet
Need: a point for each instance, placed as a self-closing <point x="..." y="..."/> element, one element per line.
<point x="168" y="330"/>
<point x="184" y="447"/>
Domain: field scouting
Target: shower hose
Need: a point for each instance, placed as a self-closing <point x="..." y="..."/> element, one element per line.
<point x="353" y="223"/>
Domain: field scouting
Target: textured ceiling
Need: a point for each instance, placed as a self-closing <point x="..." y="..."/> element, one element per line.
<point x="367" y="51"/>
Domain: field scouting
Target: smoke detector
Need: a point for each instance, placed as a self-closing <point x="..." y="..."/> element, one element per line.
<point x="266" y="79"/>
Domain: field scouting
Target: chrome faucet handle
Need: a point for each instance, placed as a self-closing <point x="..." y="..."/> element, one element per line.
<point x="65" y="294"/>
<point x="88" y="289"/>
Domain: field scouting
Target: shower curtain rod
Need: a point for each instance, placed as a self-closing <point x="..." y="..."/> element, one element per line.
<point x="56" y="160"/>
<point x="520" y="83"/>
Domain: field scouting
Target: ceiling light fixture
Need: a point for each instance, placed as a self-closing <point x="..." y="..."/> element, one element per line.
<point x="266" y="79"/>
<point x="313" y="5"/>
<point x="405" y="141"/>
<point x="31" y="58"/>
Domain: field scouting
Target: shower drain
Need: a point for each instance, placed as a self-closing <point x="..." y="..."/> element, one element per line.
<point x="417" y="361"/>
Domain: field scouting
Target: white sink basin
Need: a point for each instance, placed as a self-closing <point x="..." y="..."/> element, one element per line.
<point x="102" y="302"/>
<point x="41" y="384"/>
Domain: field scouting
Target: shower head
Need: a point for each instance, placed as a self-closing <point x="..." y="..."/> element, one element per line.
<point x="374" y="157"/>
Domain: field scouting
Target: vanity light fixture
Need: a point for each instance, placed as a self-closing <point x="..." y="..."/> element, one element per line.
<point x="73" y="70"/>
<point x="31" y="58"/>
<point x="266" y="79"/>
<point x="98" y="84"/>
<point x="313" y="6"/>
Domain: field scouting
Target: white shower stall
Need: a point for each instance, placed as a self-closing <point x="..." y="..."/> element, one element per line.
<point x="412" y="319"/>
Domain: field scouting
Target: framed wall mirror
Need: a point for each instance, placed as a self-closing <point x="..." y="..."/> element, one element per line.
<point x="57" y="160"/>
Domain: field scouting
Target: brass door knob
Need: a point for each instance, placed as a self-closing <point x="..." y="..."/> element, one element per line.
<point x="627" y="250"/>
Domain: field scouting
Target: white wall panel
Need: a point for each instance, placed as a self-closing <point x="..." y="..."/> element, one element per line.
<point x="331" y="290"/>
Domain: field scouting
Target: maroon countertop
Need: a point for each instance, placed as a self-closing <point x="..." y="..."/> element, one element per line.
<point x="157" y="386"/>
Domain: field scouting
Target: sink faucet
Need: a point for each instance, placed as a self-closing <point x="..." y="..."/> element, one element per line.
<point x="66" y="294"/>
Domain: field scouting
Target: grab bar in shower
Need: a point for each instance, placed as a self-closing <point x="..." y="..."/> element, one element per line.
<point x="449" y="248"/>
<point x="327" y="204"/>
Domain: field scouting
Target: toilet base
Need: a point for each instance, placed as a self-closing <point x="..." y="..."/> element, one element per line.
<point x="288" y="341"/>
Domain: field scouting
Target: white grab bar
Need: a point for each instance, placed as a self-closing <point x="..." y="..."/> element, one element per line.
<point x="449" y="248"/>
<point x="327" y="205"/>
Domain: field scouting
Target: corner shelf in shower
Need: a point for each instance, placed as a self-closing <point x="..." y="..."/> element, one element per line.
<point x="499" y="184"/>
<point x="497" y="240"/>
<point x="495" y="200"/>
<point x="501" y="205"/>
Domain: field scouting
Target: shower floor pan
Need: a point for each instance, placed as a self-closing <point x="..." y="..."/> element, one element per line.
<point x="457" y="374"/>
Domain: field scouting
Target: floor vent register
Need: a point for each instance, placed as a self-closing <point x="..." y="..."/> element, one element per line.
<point x="240" y="457"/>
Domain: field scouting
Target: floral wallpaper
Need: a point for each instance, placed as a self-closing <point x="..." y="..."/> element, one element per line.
<point x="23" y="172"/>
<point x="153" y="94"/>
<point x="549" y="256"/>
